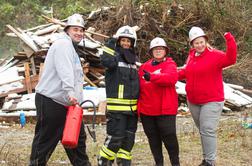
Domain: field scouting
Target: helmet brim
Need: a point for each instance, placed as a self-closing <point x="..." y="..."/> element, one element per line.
<point x="66" y="27"/>
<point x="205" y="36"/>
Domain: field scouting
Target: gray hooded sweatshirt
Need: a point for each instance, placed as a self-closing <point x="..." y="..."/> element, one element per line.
<point x="62" y="76"/>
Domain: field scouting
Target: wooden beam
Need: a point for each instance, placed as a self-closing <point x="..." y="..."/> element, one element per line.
<point x="27" y="78"/>
<point x="56" y="21"/>
<point x="89" y="81"/>
<point x="25" y="38"/>
<point x="27" y="49"/>
<point x="33" y="66"/>
<point x="41" y="67"/>
<point x="34" y="81"/>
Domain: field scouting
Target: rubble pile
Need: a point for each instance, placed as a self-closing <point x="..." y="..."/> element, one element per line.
<point x="20" y="74"/>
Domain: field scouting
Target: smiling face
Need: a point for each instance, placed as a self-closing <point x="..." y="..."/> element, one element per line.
<point x="159" y="53"/>
<point x="199" y="44"/>
<point x="76" y="33"/>
<point x="125" y="42"/>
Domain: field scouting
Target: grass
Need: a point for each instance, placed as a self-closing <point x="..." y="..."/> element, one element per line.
<point x="234" y="145"/>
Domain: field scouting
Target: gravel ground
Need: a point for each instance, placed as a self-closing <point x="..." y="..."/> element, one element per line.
<point x="234" y="144"/>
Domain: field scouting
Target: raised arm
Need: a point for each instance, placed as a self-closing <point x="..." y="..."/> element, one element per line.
<point x="231" y="51"/>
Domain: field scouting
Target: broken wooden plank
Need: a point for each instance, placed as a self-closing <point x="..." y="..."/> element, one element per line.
<point x="34" y="81"/>
<point x="27" y="78"/>
<point x="4" y="59"/>
<point x="47" y="30"/>
<point x="41" y="67"/>
<point x="9" y="82"/>
<point x="89" y="81"/>
<point x="28" y="50"/>
<point x="56" y="21"/>
<point x="33" y="66"/>
<point x="24" y="37"/>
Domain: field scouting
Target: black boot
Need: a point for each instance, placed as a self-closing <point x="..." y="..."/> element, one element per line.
<point x="159" y="164"/>
<point x="203" y="163"/>
<point x="104" y="162"/>
<point x="209" y="164"/>
<point x="123" y="162"/>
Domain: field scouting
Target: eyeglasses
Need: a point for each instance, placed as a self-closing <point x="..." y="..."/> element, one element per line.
<point x="158" y="48"/>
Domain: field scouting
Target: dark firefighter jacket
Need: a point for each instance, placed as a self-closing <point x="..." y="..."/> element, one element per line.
<point x="122" y="83"/>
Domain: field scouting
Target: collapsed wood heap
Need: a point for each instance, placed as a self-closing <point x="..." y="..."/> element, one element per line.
<point x="27" y="64"/>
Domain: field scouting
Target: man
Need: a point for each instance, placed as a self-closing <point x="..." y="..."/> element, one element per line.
<point x="59" y="87"/>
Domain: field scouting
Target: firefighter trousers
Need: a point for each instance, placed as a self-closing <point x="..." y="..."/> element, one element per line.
<point x="160" y="129"/>
<point x="120" y="139"/>
<point x="51" y="118"/>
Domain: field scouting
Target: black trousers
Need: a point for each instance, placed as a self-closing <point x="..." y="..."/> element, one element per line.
<point x="160" y="129"/>
<point x="122" y="128"/>
<point x="51" y="118"/>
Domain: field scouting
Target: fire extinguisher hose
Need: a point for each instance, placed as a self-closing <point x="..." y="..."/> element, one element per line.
<point x="92" y="130"/>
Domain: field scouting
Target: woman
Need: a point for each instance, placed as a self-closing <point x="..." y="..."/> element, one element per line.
<point x="204" y="87"/>
<point x="158" y="102"/>
<point x="122" y="90"/>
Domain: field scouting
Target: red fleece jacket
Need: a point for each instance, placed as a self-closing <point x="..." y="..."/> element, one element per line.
<point x="158" y="96"/>
<point x="203" y="73"/>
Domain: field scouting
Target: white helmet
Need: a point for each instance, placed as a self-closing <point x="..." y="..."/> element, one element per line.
<point x="158" y="42"/>
<point x="196" y="32"/>
<point x="75" y="20"/>
<point x="126" y="31"/>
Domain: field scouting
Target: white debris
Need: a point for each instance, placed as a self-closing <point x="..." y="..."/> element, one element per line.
<point x="236" y="97"/>
<point x="27" y="101"/>
<point x="232" y="96"/>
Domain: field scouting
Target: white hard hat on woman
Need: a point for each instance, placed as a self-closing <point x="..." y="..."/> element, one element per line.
<point x="126" y="31"/>
<point x="158" y="42"/>
<point x="196" y="32"/>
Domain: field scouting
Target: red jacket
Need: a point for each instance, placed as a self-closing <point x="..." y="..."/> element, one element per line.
<point x="203" y="73"/>
<point x="158" y="96"/>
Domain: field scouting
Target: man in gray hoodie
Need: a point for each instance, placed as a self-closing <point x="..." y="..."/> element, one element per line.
<point x="60" y="86"/>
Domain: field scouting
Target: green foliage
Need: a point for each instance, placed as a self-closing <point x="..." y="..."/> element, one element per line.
<point x="6" y="9"/>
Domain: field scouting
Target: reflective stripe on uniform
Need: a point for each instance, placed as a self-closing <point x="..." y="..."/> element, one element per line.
<point x="123" y="64"/>
<point x="106" y="153"/>
<point x="121" y="101"/>
<point x="124" y="154"/>
<point x="108" y="50"/>
<point x="120" y="91"/>
<point x="121" y="108"/>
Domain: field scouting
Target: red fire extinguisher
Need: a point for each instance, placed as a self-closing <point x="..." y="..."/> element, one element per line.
<point x="73" y="124"/>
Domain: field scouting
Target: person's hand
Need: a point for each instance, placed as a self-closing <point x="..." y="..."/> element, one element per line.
<point x="228" y="35"/>
<point x="111" y="42"/>
<point x="146" y="75"/>
<point x="73" y="100"/>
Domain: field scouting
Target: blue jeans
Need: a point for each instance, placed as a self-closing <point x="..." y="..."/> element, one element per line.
<point x="206" y="117"/>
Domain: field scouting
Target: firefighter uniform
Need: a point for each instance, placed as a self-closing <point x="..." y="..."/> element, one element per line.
<point x="122" y="90"/>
